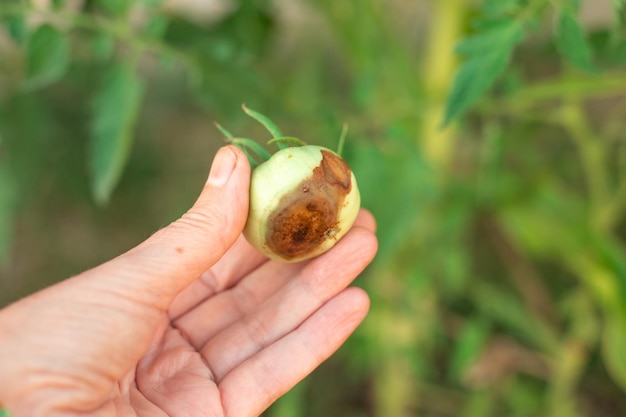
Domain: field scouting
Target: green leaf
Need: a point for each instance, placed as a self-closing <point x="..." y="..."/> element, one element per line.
<point x="16" y="27"/>
<point x="472" y="81"/>
<point x="498" y="7"/>
<point x="47" y="55"/>
<point x="4" y="413"/>
<point x="115" y="111"/>
<point x="571" y="42"/>
<point x="489" y="53"/>
<point x="500" y="36"/>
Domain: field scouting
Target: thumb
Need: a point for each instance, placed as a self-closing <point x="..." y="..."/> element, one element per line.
<point x="173" y="257"/>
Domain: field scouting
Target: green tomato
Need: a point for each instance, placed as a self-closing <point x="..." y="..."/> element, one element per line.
<point x="302" y="201"/>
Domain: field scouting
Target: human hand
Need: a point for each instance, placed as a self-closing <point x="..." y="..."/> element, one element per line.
<point x="191" y="322"/>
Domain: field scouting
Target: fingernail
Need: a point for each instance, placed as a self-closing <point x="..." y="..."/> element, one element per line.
<point x="222" y="167"/>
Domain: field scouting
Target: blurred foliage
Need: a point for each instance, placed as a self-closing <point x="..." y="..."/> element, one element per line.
<point x="500" y="285"/>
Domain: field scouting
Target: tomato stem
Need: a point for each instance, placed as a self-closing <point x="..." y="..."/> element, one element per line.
<point x="252" y="148"/>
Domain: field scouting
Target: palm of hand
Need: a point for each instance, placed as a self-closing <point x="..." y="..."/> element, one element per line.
<point x="247" y="331"/>
<point x="229" y="344"/>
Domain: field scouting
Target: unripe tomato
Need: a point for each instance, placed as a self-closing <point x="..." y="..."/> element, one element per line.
<point x="302" y="201"/>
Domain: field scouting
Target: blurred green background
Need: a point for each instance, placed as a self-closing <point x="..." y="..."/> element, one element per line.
<point x="500" y="284"/>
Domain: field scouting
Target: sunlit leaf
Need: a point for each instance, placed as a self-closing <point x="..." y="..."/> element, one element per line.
<point x="47" y="55"/>
<point x="115" y="111"/>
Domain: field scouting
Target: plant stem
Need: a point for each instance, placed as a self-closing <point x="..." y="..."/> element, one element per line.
<point x="592" y="155"/>
<point x="440" y="65"/>
<point x="572" y="88"/>
<point x="116" y="28"/>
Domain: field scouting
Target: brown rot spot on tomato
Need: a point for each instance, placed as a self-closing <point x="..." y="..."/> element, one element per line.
<point x="303" y="220"/>
<point x="303" y="198"/>
<point x="336" y="170"/>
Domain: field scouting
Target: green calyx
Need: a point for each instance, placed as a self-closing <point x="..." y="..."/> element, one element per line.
<point x="256" y="153"/>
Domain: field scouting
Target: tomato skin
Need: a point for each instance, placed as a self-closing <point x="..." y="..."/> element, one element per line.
<point x="302" y="201"/>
